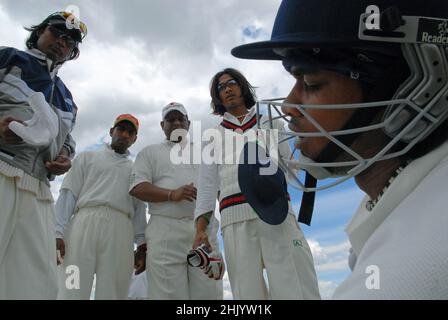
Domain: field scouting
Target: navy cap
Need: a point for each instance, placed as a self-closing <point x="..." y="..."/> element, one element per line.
<point x="266" y="194"/>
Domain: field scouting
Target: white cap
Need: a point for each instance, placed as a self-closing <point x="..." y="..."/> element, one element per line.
<point x="172" y="107"/>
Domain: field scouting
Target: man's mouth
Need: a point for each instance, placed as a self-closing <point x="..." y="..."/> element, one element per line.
<point x="122" y="142"/>
<point x="56" y="50"/>
<point x="293" y="127"/>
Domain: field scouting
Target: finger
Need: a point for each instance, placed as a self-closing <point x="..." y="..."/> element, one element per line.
<point x="221" y="272"/>
<point x="208" y="244"/>
<point x="190" y="193"/>
<point x="141" y="268"/>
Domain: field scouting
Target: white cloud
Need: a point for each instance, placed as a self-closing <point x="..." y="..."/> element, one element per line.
<point x="326" y="289"/>
<point x="331" y="264"/>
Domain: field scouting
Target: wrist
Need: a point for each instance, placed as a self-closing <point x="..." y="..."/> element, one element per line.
<point x="142" y="247"/>
<point x="205" y="218"/>
<point x="169" y="195"/>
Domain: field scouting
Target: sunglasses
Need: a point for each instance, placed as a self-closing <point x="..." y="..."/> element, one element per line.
<point x="224" y="85"/>
<point x="58" y="33"/>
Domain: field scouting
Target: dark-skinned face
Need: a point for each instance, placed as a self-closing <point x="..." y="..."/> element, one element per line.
<point x="56" y="48"/>
<point x="123" y="136"/>
<point x="175" y="120"/>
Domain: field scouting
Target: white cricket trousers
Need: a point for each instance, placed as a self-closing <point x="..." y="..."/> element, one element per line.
<point x="253" y="245"/>
<point x="99" y="241"/>
<point x="27" y="244"/>
<point x="169" y="276"/>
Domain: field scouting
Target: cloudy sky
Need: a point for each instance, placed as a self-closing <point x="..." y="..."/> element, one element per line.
<point x="141" y="55"/>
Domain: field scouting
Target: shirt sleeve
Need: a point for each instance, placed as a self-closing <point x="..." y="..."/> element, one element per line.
<point x="208" y="186"/>
<point x="139" y="221"/>
<point x="75" y="177"/>
<point x="65" y="207"/>
<point x="142" y="170"/>
<point x="70" y="144"/>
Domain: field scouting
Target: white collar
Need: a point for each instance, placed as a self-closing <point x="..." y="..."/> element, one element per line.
<point x="364" y="223"/>
<point x="127" y="154"/>
<point x="231" y="118"/>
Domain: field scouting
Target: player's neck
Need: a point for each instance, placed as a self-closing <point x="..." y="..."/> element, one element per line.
<point x="238" y="112"/>
<point x="376" y="178"/>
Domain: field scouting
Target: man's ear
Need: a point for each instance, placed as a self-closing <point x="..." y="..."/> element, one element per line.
<point x="111" y="131"/>
<point x="161" y="123"/>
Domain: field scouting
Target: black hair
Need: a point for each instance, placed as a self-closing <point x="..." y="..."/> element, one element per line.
<point x="248" y="91"/>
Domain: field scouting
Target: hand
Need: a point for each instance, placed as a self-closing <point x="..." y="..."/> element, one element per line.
<point x="60" y="245"/>
<point x="216" y="268"/>
<point x="201" y="237"/>
<point x="187" y="192"/>
<point x="59" y="166"/>
<point x="140" y="259"/>
<point x="6" y="135"/>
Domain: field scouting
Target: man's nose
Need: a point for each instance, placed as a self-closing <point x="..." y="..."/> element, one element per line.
<point x="61" y="42"/>
<point x="125" y="134"/>
<point x="294" y="97"/>
<point x="177" y="123"/>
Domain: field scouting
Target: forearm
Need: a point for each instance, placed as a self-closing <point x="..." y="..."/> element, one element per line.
<point x="203" y="221"/>
<point x="148" y="192"/>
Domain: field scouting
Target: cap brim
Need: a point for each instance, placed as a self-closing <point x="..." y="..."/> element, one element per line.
<point x="273" y="213"/>
<point x="263" y="50"/>
<point x="182" y="111"/>
<point x="129" y="121"/>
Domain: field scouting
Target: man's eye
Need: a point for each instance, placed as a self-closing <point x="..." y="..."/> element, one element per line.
<point x="312" y="87"/>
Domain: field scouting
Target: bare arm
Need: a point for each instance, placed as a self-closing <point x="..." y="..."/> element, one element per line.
<point x="148" y="192"/>
<point x="201" y="233"/>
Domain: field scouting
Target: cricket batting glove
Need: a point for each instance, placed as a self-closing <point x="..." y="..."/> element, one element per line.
<point x="210" y="262"/>
<point x="42" y="128"/>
